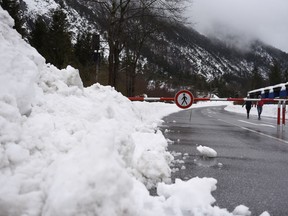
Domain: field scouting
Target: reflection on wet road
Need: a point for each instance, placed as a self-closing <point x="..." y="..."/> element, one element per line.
<point x="252" y="162"/>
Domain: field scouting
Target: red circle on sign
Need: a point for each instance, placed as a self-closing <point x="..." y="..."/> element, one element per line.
<point x="185" y="97"/>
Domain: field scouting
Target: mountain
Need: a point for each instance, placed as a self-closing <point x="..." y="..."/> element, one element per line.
<point x="177" y="57"/>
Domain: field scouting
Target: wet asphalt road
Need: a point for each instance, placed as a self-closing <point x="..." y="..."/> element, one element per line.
<point x="252" y="163"/>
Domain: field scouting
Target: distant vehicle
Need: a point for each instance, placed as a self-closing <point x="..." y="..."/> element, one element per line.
<point x="276" y="91"/>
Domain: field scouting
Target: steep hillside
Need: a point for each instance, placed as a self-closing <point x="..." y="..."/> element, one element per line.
<point x="188" y="53"/>
<point x="177" y="56"/>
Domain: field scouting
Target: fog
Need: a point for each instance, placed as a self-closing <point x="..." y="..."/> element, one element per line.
<point x="248" y="19"/>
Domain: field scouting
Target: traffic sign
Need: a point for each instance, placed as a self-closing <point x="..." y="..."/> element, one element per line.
<point x="184" y="99"/>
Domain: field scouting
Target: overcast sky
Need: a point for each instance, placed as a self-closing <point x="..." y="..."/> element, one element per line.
<point x="264" y="19"/>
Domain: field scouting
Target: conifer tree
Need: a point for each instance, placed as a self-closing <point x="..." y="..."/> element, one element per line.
<point x="83" y="48"/>
<point x="256" y="79"/>
<point x="285" y="76"/>
<point x="275" y="76"/>
<point x="85" y="59"/>
<point x="13" y="8"/>
<point x="39" y="36"/>
<point x="59" y="50"/>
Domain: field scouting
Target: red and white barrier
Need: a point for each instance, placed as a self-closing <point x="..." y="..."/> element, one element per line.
<point x="163" y="99"/>
<point x="281" y="102"/>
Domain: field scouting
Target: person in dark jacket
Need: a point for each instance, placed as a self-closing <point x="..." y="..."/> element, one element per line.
<point x="248" y="106"/>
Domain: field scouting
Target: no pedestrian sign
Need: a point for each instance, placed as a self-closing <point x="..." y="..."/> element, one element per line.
<point x="184" y="99"/>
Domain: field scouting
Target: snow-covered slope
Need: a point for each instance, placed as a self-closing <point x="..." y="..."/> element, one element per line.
<point x="184" y="47"/>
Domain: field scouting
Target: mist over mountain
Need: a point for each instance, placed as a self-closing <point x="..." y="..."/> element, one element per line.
<point x="176" y="57"/>
<point x="263" y="19"/>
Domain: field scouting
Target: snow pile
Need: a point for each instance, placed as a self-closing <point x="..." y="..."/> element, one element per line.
<point x="67" y="150"/>
<point x="206" y="151"/>
<point x="199" y="190"/>
<point x="18" y="70"/>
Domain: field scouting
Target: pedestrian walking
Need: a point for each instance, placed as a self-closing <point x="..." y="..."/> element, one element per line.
<point x="248" y="106"/>
<point x="259" y="105"/>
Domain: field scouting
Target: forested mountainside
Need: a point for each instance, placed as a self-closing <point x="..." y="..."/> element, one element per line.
<point x="155" y="55"/>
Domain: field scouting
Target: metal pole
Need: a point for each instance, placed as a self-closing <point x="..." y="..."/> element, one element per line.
<point x="278" y="113"/>
<point x="96" y="46"/>
<point x="283" y="112"/>
<point x="97" y="70"/>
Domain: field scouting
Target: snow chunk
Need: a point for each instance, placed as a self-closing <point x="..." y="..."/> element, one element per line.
<point x="207" y="151"/>
<point x="265" y="214"/>
<point x="241" y="210"/>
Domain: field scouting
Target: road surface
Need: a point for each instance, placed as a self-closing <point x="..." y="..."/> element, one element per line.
<point x="252" y="162"/>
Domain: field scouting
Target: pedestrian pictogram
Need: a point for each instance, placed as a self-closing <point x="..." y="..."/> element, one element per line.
<point x="184" y="99"/>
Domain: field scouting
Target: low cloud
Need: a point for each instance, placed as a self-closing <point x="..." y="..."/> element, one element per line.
<point x="242" y="20"/>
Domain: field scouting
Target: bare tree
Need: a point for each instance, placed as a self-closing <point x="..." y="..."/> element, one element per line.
<point x="124" y="22"/>
<point x="133" y="52"/>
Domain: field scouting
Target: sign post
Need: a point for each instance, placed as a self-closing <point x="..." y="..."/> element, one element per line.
<point x="184" y="99"/>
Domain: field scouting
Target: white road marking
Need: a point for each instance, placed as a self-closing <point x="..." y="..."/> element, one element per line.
<point x="265" y="125"/>
<point x="259" y="133"/>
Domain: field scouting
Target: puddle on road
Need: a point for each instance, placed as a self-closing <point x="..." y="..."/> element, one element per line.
<point x="184" y="165"/>
<point x="206" y="162"/>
